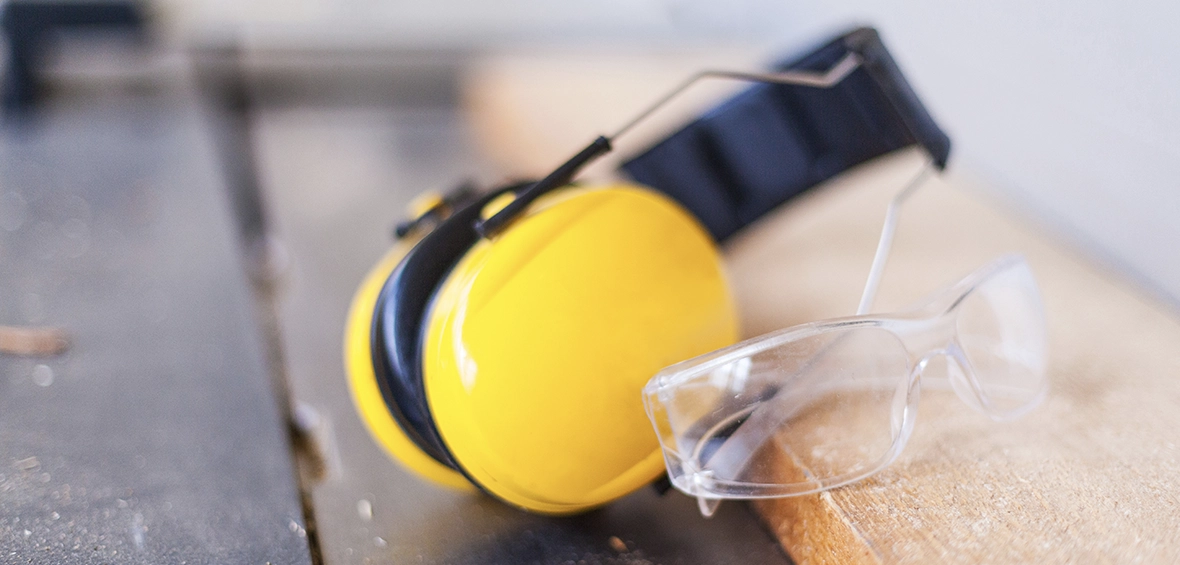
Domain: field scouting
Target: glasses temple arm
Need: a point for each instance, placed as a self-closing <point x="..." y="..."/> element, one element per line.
<point x="886" y="239"/>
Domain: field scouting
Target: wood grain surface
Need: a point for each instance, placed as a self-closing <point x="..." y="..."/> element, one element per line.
<point x="1091" y="476"/>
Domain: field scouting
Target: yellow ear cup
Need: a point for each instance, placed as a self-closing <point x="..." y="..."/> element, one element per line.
<point x="541" y="339"/>
<point x="362" y="379"/>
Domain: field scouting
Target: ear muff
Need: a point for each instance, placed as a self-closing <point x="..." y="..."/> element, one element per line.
<point x="382" y="344"/>
<point x="366" y="392"/>
<point x="523" y="372"/>
<point x="397" y="327"/>
<point x="516" y="363"/>
<point x="539" y="341"/>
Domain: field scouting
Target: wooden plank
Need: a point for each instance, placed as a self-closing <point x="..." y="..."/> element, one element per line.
<point x="1092" y="475"/>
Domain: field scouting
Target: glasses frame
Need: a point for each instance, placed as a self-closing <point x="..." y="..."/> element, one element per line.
<point x="929" y="316"/>
<point x="925" y="333"/>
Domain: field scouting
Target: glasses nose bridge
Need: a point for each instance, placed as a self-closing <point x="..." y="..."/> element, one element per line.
<point x="923" y="361"/>
<point x="959" y="376"/>
<point x="926" y="340"/>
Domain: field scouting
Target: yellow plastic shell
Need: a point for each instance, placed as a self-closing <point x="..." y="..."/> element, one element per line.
<point x="540" y="341"/>
<point x="362" y="380"/>
<point x="423" y="203"/>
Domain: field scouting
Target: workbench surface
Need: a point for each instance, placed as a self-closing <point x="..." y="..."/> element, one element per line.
<point x="1091" y="476"/>
<point x="155" y="438"/>
<point x="158" y="436"/>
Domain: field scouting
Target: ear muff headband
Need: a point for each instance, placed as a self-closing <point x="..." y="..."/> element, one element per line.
<point x="772" y="142"/>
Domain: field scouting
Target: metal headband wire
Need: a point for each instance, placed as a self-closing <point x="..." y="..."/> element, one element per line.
<point x="563" y="174"/>
<point x="827" y="79"/>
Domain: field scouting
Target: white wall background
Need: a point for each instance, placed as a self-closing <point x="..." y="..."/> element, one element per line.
<point x="1071" y="107"/>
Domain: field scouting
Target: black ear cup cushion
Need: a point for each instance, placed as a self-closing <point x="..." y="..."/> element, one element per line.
<point x="397" y="322"/>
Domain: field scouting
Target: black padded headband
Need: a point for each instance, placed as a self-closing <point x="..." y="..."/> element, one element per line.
<point x="774" y="141"/>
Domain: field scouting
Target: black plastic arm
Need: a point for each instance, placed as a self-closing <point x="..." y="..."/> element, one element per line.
<point x="559" y="177"/>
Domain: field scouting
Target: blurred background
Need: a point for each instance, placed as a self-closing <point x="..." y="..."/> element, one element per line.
<point x="309" y="124"/>
<point x="1070" y="106"/>
<point x="1067" y="106"/>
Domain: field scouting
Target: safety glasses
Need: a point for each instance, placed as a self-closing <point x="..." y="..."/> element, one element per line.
<point x="825" y="404"/>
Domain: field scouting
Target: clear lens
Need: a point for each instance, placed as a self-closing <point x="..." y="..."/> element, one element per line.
<point x="1001" y="333"/>
<point x="822" y="405"/>
<point x="787" y="413"/>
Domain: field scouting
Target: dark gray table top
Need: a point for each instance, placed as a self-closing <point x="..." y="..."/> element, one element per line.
<point x="156" y="438"/>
